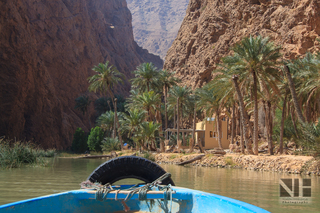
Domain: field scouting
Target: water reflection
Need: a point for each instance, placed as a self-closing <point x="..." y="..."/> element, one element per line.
<point x="258" y="188"/>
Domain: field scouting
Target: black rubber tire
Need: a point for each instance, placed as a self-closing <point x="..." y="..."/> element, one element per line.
<point x="128" y="167"/>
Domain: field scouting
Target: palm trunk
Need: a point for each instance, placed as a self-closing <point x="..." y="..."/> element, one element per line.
<point x="181" y="114"/>
<point x="178" y="126"/>
<point x="174" y="117"/>
<point x="266" y="121"/>
<point x="232" y="123"/>
<point x="318" y="103"/>
<point x="165" y="108"/>
<point x="218" y="129"/>
<point x="242" y="109"/>
<point x="114" y="125"/>
<point x="282" y="124"/>
<point x="270" y="144"/>
<point x="241" y="139"/>
<point x="238" y="123"/>
<point x="193" y="129"/>
<point x="265" y="126"/>
<point x="118" y="125"/>
<point x="108" y="101"/>
<point x="307" y="111"/>
<point x="294" y="123"/>
<point x="183" y="138"/>
<point x="293" y="94"/>
<point x="256" y="123"/>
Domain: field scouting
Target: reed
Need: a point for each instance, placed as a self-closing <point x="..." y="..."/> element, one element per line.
<point x="15" y="154"/>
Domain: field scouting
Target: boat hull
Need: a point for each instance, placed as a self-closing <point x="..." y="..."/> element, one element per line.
<point x="184" y="200"/>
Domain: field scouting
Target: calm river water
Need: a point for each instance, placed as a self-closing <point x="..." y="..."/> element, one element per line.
<point x="258" y="188"/>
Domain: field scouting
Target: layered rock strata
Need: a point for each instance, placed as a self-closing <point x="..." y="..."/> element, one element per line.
<point x="47" y="51"/>
<point x="211" y="27"/>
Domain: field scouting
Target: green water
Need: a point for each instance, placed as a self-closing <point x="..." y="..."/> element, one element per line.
<point x="258" y="188"/>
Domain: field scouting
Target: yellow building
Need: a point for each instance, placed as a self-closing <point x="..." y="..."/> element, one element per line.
<point x="209" y="134"/>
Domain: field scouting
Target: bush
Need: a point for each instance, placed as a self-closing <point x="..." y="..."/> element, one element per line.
<point x="79" y="143"/>
<point x="95" y="139"/>
<point x="149" y="156"/>
<point x="229" y="161"/>
<point x="13" y="155"/>
<point x="110" y="144"/>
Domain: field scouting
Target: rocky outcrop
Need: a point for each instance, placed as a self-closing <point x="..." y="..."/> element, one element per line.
<point x="47" y="51"/>
<point x="156" y="23"/>
<point x="211" y="27"/>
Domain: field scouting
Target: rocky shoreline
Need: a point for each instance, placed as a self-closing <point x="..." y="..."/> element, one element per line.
<point x="292" y="164"/>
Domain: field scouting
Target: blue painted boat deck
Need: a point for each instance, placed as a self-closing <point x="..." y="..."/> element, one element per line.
<point x="184" y="200"/>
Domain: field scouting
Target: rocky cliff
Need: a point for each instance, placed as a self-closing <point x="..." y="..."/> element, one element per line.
<point x="47" y="51"/>
<point x="211" y="27"/>
<point x="156" y="23"/>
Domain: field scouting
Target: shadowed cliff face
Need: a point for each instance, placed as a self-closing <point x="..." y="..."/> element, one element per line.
<point x="211" y="27"/>
<point x="47" y="51"/>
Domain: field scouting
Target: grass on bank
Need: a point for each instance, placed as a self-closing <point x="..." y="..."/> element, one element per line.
<point x="15" y="154"/>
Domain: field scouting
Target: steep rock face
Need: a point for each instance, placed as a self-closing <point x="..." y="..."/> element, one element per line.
<point x="211" y="27"/>
<point x="156" y="23"/>
<point x="47" y="51"/>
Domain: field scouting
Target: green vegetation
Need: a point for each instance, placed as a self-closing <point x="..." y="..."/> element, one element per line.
<point x="253" y="80"/>
<point x="140" y="120"/>
<point x="229" y="161"/>
<point x="149" y="156"/>
<point x="79" y="143"/>
<point x="95" y="139"/>
<point x="173" y="157"/>
<point x="110" y="144"/>
<point x="102" y="105"/>
<point x="16" y="154"/>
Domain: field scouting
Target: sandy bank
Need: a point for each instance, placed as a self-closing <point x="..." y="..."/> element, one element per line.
<point x="278" y="163"/>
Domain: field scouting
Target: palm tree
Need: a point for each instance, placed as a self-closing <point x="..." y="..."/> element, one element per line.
<point x="106" y="78"/>
<point x="166" y="80"/>
<point x="307" y="71"/>
<point x="145" y="77"/>
<point x="244" y="119"/>
<point x="183" y="93"/>
<point x="147" y="101"/>
<point x="210" y="103"/>
<point x="106" y="121"/>
<point x="294" y="94"/>
<point x="82" y="103"/>
<point x="257" y="59"/>
<point x="223" y="86"/>
<point x="149" y="132"/>
<point x="132" y="120"/>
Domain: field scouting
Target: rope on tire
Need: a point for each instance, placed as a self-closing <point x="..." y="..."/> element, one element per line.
<point x="104" y="190"/>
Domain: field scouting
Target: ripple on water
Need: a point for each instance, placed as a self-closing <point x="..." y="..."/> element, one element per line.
<point x="258" y="188"/>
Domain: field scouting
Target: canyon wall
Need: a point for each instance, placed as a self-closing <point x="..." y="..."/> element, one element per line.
<point x="211" y="27"/>
<point x="156" y="23"/>
<point x="47" y="52"/>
